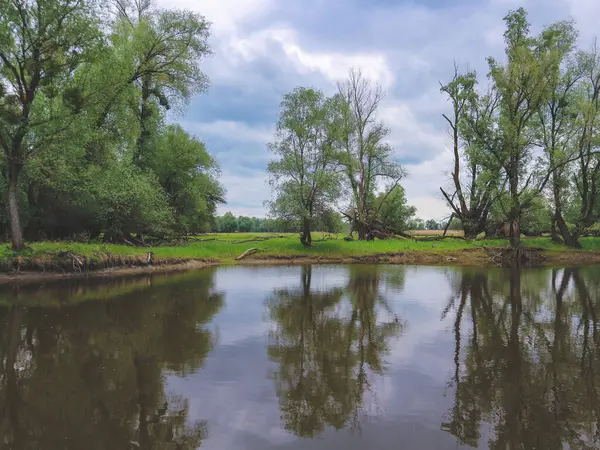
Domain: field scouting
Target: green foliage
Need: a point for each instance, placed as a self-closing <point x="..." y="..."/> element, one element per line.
<point x="129" y="201"/>
<point x="536" y="218"/>
<point x="394" y="210"/>
<point x="304" y="175"/>
<point x="187" y="173"/>
<point x="543" y="100"/>
<point x="416" y="224"/>
<point x="94" y="154"/>
<point x="432" y="224"/>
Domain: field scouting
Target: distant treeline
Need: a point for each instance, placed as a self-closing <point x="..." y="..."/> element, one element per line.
<point x="228" y="223"/>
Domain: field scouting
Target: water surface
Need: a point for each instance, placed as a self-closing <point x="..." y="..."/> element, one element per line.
<point x="303" y="358"/>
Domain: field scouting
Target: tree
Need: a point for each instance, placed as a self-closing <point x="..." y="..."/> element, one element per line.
<point x="244" y="224"/>
<point x="523" y="84"/>
<point x="163" y="51"/>
<point x="228" y="223"/>
<point x="188" y="175"/>
<point x="394" y="211"/>
<point x="416" y="224"/>
<point x="42" y="43"/>
<point x="471" y="125"/>
<point x="569" y="136"/>
<point x="303" y="175"/>
<point x="364" y="155"/>
<point x="432" y="224"/>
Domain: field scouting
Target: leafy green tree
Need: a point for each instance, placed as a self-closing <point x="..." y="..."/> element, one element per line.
<point x="536" y="218"/>
<point x="330" y="222"/>
<point x="475" y="177"/>
<point x="42" y="42"/>
<point x="394" y="211"/>
<point x="228" y="223"/>
<point x="244" y="224"/>
<point x="188" y="175"/>
<point x="432" y="224"/>
<point x="416" y="224"/>
<point x="568" y="133"/>
<point x="304" y="174"/>
<point x="162" y="50"/>
<point x="523" y="84"/>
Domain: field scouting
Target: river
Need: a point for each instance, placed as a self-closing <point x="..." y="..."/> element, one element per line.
<point x="304" y="358"/>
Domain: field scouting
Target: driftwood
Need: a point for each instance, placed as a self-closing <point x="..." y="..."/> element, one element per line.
<point x="440" y="238"/>
<point x="248" y="252"/>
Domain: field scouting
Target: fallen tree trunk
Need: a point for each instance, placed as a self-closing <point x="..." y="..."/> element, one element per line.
<point x="248" y="252"/>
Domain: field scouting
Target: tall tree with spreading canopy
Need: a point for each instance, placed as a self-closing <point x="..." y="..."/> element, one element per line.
<point x="365" y="155"/>
<point x="568" y="129"/>
<point x="523" y="83"/>
<point x="475" y="178"/>
<point x="163" y="51"/>
<point x="304" y="174"/>
<point x="42" y="43"/>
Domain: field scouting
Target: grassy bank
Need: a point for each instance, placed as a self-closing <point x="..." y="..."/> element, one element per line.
<point x="225" y="248"/>
<point x="68" y="257"/>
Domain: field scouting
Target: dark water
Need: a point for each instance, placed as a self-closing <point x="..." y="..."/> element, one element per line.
<point x="348" y="357"/>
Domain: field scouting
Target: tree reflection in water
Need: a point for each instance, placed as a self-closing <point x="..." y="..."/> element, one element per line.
<point x="327" y="343"/>
<point x="529" y="365"/>
<point x="92" y="375"/>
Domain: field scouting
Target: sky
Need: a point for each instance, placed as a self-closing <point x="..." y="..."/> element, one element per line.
<point x="263" y="49"/>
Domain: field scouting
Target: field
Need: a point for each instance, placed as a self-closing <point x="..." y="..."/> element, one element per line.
<point x="435" y="232"/>
<point x="225" y="248"/>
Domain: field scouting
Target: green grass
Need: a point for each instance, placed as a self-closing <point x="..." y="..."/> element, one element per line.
<point x="226" y="247"/>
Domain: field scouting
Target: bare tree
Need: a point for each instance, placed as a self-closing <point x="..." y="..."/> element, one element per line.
<point x="365" y="155"/>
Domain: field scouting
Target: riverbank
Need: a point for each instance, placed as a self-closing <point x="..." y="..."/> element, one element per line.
<point x="67" y="259"/>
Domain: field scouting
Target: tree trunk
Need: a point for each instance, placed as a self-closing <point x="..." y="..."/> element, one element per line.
<point x="515" y="233"/>
<point x="16" y="232"/>
<point x="570" y="239"/>
<point x="145" y="116"/>
<point x="306" y="237"/>
<point x="361" y="229"/>
<point x="448" y="224"/>
<point x="470" y="230"/>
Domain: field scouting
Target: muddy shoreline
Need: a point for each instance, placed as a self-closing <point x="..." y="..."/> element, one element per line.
<point x="33" y="271"/>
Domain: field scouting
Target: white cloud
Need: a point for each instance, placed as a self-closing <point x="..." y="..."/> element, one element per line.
<point x="245" y="192"/>
<point x="409" y="134"/>
<point x="333" y="66"/>
<point x="226" y="15"/>
<point x="234" y="131"/>
<point x="587" y="15"/>
<point x="423" y="186"/>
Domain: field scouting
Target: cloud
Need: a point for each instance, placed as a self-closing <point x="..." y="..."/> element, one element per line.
<point x="264" y="49"/>
<point x="231" y="130"/>
<point x="226" y="16"/>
